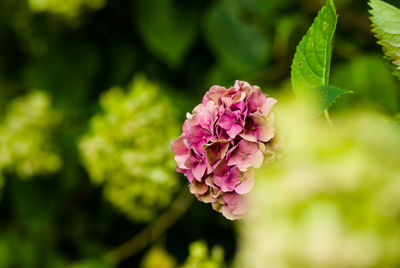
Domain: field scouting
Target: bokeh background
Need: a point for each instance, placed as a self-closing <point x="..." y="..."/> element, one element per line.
<point x="93" y="91"/>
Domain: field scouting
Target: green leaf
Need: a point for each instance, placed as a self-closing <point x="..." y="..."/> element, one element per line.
<point x="168" y="31"/>
<point x="311" y="64"/>
<point x="386" y="26"/>
<point x="239" y="46"/>
<point x="329" y="94"/>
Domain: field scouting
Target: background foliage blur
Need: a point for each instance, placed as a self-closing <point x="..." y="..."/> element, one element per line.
<point x="84" y="160"/>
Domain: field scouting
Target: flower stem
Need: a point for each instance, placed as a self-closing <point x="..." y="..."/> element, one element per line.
<point x="153" y="231"/>
<point x="328" y="119"/>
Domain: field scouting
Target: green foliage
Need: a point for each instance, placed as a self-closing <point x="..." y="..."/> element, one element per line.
<point x="331" y="202"/>
<point x="312" y="61"/>
<point x="199" y="256"/>
<point x="21" y="250"/>
<point x="386" y="26"/>
<point x="89" y="263"/>
<point x="26" y="136"/>
<point x="75" y="50"/>
<point x="69" y="8"/>
<point x="265" y="8"/>
<point x="127" y="149"/>
<point x="167" y="31"/>
<point x="239" y="46"/>
<point x="157" y="257"/>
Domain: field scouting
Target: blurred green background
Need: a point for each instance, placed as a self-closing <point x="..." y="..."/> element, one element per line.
<point x="92" y="92"/>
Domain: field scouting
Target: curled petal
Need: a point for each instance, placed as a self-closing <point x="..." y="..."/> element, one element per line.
<point x="198" y="188"/>
<point x="207" y="197"/>
<point x="214" y="94"/>
<point x="216" y="150"/>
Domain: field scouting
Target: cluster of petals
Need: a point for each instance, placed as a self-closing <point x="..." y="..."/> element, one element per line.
<point x="223" y="141"/>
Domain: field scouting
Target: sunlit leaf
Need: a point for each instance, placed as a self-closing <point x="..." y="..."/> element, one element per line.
<point x="329" y="94"/>
<point x="311" y="64"/>
<point x="386" y="26"/>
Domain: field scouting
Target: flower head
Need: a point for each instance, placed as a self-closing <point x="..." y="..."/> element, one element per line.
<point x="223" y="141"/>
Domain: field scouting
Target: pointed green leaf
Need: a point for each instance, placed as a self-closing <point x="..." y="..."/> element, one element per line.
<point x="328" y="95"/>
<point x="311" y="64"/>
<point x="386" y="26"/>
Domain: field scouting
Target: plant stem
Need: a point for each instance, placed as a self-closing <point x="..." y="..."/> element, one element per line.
<point x="328" y="119"/>
<point x="153" y="231"/>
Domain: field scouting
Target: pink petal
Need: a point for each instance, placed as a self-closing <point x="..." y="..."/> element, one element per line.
<point x="199" y="170"/>
<point x="240" y="208"/>
<point x="266" y="131"/>
<point x="214" y="94"/>
<point x="231" y="198"/>
<point x="221" y="168"/>
<point x="218" y="180"/>
<point x="239" y="105"/>
<point x="234" y="131"/>
<point x="226" y="211"/>
<point x="250" y="129"/>
<point x="246" y="155"/>
<point x="180" y="170"/>
<point x="266" y="108"/>
<point x="247" y="147"/>
<point x="179" y="146"/>
<point x="247" y="182"/>
<point x="225" y="121"/>
<point x="235" y="159"/>
<point x="189" y="176"/>
<point x="181" y="160"/>
<point x="191" y="161"/>
<point x="254" y="160"/>
<point x="227" y="101"/>
<point x="231" y="180"/>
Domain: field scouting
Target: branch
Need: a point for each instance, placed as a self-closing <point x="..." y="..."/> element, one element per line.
<point x="153" y="231"/>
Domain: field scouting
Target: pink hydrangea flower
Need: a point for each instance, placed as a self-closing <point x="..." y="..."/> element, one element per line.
<point x="223" y="142"/>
